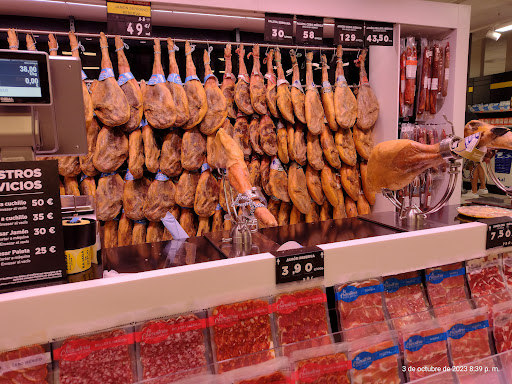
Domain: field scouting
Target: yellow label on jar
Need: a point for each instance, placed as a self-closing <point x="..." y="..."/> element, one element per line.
<point x="79" y="260"/>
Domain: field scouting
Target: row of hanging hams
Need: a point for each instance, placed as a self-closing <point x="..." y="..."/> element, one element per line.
<point x="156" y="147"/>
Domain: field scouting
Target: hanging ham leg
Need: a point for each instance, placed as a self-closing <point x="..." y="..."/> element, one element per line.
<point x="257" y="84"/>
<point x="345" y="103"/>
<point x="228" y="83"/>
<point x="284" y="97"/>
<point x="159" y="108"/>
<point x="130" y="88"/>
<point x="314" y="111"/>
<point x="108" y="99"/>
<point x="111" y="150"/>
<point x="367" y="103"/>
<point x="175" y="86"/>
<point x="271" y="92"/>
<point x="298" y="97"/>
<point x="242" y="86"/>
<point x="491" y="136"/>
<point x="217" y="105"/>
<point x="12" y="39"/>
<point x="328" y="96"/>
<point x="197" y="102"/>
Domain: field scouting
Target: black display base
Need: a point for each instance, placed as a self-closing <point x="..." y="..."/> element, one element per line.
<point x="392" y="220"/>
<point x="260" y="244"/>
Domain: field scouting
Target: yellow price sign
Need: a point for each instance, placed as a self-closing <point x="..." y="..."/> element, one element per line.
<point x="129" y="18"/>
<point x="129" y="9"/>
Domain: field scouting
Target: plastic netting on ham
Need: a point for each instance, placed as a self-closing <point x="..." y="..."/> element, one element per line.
<point x="242" y="330"/>
<point x="25" y="365"/>
<point x="172" y="345"/>
<point x="446" y="284"/>
<point x="106" y="357"/>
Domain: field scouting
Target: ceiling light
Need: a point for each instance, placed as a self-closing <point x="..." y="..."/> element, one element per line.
<point x="493" y="35"/>
<point x="505" y="28"/>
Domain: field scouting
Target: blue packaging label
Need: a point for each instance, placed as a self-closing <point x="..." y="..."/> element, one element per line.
<point x="143" y="221"/>
<point x="156" y="79"/>
<point x="365" y="359"/>
<point x="204" y="167"/>
<point x="218" y="207"/>
<point x="143" y="123"/>
<point x="416" y="342"/>
<point x="459" y="330"/>
<point x="129" y="176"/>
<point x="297" y="84"/>
<point x="160" y="176"/>
<point x="193" y="77"/>
<point x="83" y="176"/>
<point x="341" y="79"/>
<point x="174" y="78"/>
<point x="350" y="293"/>
<point x="393" y="284"/>
<point x="84" y="76"/>
<point x="108" y="174"/>
<point x="437" y="276"/>
<point x="210" y="75"/>
<point x="124" y="78"/>
<point x="74" y="220"/>
<point x="106" y="73"/>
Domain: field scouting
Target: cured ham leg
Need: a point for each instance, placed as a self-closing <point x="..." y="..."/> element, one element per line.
<point x="345" y="103"/>
<point x="284" y="97"/>
<point x="242" y="86"/>
<point x="238" y="174"/>
<point x="12" y="39"/>
<point x="314" y="110"/>
<point x="491" y="136"/>
<point x="108" y="99"/>
<point x="228" y="83"/>
<point x="328" y="96"/>
<point x="217" y="105"/>
<point x="175" y="86"/>
<point x="130" y="88"/>
<point x="159" y="108"/>
<point x="197" y="102"/>
<point x="271" y="93"/>
<point x="367" y="103"/>
<point x="257" y="84"/>
<point x="298" y="97"/>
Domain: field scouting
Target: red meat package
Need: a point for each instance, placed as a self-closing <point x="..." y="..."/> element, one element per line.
<point x="376" y="359"/>
<point x="360" y="303"/>
<point x="325" y="364"/>
<point x="276" y="371"/>
<point x="468" y="335"/>
<point x="103" y="357"/>
<point x="301" y="315"/>
<point x="502" y="331"/>
<point x="404" y="294"/>
<point x="454" y="308"/>
<point x="485" y="279"/>
<point x="26" y="365"/>
<point x="241" y="329"/>
<point x="491" y="300"/>
<point x="446" y="284"/>
<point x="372" y="329"/>
<point x="507" y="268"/>
<point x="175" y="345"/>
<point x="425" y="349"/>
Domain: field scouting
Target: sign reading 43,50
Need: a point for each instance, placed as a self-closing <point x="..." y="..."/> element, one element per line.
<point x="378" y="33"/>
<point x="278" y="28"/>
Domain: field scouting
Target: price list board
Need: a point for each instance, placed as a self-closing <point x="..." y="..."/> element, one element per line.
<point x="278" y="28"/>
<point x="349" y="33"/>
<point x="129" y="18"/>
<point x="31" y="242"/>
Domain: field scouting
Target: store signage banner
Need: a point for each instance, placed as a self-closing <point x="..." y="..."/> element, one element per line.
<point x="279" y="28"/>
<point x="310" y="30"/>
<point x="349" y="33"/>
<point x="31" y="242"/>
<point x="129" y="18"/>
<point x="299" y="264"/>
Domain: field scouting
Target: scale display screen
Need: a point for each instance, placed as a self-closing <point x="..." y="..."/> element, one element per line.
<point x="24" y="78"/>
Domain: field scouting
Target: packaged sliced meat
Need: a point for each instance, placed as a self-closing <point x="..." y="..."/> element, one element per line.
<point x="502" y="330"/>
<point x="30" y="364"/>
<point x="241" y="329"/>
<point x="507" y="268"/>
<point x="376" y="359"/>
<point x="452" y="308"/>
<point x="301" y="315"/>
<point x="360" y="303"/>
<point x="175" y="345"/>
<point x="321" y="364"/>
<point x="276" y="371"/>
<point x="425" y="349"/>
<point x="446" y="284"/>
<point x="492" y="300"/>
<point x="418" y="317"/>
<point x="404" y="294"/>
<point x="468" y="335"/>
<point x="486" y="279"/>
<point x="363" y="331"/>
<point x="103" y="357"/>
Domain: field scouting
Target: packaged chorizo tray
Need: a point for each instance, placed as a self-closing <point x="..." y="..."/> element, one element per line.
<point x="275" y="371"/>
<point x="102" y="357"/>
<point x="240" y="330"/>
<point x="30" y="364"/>
<point x="301" y="315"/>
<point x="175" y="345"/>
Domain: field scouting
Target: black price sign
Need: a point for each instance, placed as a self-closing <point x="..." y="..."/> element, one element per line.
<point x="129" y="18"/>
<point x="349" y="33"/>
<point x="299" y="264"/>
<point x="499" y="232"/>
<point x="31" y="242"/>
<point x="378" y="33"/>
<point x="278" y="28"/>
<point x="309" y="30"/>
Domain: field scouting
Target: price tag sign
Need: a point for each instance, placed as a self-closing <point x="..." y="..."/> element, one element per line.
<point x="499" y="232"/>
<point x="129" y="18"/>
<point x="349" y="33"/>
<point x="378" y="33"/>
<point x="310" y="30"/>
<point x="31" y="242"/>
<point x="299" y="264"/>
<point x="278" y="28"/>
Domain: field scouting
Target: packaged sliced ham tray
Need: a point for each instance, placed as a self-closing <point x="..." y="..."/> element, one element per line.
<point x="174" y="346"/>
<point x="31" y="364"/>
<point x="275" y="371"/>
<point x="485" y="277"/>
<point x="446" y="284"/>
<point x="103" y="357"/>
